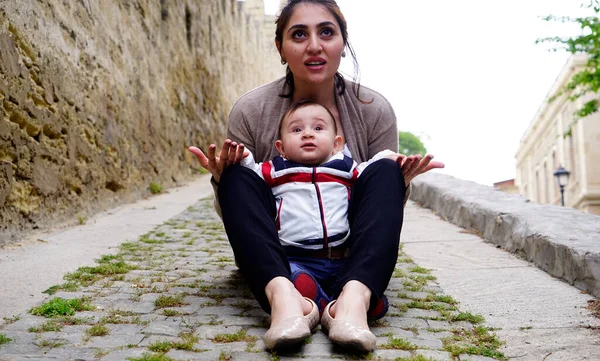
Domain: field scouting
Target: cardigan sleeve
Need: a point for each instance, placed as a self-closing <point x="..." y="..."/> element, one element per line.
<point x="238" y="131"/>
<point x="384" y="133"/>
<point x="238" y="128"/>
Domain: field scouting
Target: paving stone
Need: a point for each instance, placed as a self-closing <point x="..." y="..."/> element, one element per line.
<point x="419" y="313"/>
<point x="217" y="302"/>
<point x="319" y="337"/>
<point x="18" y="337"/>
<point x="189" y="355"/>
<point x="149" y="340"/>
<point x="114" y="340"/>
<point x="61" y="337"/>
<point x="121" y="355"/>
<point x="317" y="350"/>
<point x="137" y="307"/>
<point x="391" y="354"/>
<point x="79" y="354"/>
<point x="434" y="335"/>
<point x="440" y="325"/>
<point x="464" y="357"/>
<point x="19" y="349"/>
<point x="124" y="329"/>
<point x="25" y="323"/>
<point x="426" y="343"/>
<point x="436" y="355"/>
<point x="171" y="327"/>
<point x="397" y="332"/>
<point x="27" y="358"/>
<point x="403" y="322"/>
<point x="211" y="332"/>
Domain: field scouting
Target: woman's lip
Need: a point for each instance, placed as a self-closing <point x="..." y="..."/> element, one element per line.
<point x="315" y="67"/>
<point x="315" y="60"/>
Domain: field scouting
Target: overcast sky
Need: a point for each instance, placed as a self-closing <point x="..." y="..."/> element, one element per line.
<point x="465" y="75"/>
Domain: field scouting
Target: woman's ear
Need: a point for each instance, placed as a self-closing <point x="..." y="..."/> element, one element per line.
<point x="279" y="147"/>
<point x="278" y="45"/>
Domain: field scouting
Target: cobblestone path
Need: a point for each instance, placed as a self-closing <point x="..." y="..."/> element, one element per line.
<point x="175" y="294"/>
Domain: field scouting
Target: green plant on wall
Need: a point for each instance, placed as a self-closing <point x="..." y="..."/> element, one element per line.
<point x="586" y="80"/>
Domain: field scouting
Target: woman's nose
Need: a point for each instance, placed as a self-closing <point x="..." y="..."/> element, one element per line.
<point x="314" y="45"/>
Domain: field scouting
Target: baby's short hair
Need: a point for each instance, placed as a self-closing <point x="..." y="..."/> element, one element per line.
<point x="301" y="104"/>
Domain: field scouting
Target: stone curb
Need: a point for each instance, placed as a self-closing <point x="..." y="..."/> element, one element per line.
<point x="561" y="241"/>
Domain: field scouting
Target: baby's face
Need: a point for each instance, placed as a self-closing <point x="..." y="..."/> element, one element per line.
<point x="308" y="136"/>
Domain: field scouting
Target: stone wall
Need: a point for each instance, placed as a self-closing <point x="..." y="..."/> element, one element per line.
<point x="100" y="98"/>
<point x="561" y="241"/>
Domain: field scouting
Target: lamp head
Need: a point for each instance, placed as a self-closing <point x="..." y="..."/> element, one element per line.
<point x="562" y="176"/>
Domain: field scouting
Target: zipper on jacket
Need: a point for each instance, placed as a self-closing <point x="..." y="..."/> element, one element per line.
<point x="320" y="200"/>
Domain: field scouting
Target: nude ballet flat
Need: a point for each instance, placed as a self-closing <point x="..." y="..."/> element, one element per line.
<point x="292" y="331"/>
<point x="347" y="334"/>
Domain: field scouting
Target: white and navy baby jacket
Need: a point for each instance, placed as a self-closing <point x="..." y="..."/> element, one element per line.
<point x="311" y="202"/>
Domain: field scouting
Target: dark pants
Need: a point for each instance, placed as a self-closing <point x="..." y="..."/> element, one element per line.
<point x="375" y="215"/>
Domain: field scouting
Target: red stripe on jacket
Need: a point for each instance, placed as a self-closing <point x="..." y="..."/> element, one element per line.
<point x="304" y="178"/>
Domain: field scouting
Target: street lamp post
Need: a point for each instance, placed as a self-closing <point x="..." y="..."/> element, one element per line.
<point x="562" y="178"/>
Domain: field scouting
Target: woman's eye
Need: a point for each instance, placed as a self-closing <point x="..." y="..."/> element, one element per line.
<point x="327" y="32"/>
<point x="297" y="34"/>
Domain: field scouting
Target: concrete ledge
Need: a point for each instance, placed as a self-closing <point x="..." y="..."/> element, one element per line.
<point x="562" y="241"/>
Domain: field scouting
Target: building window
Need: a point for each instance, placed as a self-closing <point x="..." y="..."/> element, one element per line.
<point x="551" y="176"/>
<point x="546" y="185"/>
<point x="537" y="186"/>
<point x="573" y="156"/>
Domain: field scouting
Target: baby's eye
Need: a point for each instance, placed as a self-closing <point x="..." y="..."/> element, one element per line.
<point x="296" y="130"/>
<point x="318" y="127"/>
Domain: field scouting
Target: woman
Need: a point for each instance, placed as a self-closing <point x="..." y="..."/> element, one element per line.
<point x="311" y="36"/>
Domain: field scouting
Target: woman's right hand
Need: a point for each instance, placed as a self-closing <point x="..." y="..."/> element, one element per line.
<point x="231" y="153"/>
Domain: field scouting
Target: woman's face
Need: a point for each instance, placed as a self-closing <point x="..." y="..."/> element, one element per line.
<point x="312" y="44"/>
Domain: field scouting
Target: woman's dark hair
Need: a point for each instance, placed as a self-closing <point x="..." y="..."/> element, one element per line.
<point x="301" y="104"/>
<point x="334" y="9"/>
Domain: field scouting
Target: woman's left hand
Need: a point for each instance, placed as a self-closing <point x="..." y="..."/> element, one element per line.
<point x="413" y="165"/>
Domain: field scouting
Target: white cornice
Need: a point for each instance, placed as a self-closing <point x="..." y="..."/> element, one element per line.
<point x="547" y="110"/>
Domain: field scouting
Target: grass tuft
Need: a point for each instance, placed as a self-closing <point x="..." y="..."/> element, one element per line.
<point x="233" y="337"/>
<point x="151" y="357"/>
<point x="164" y="301"/>
<point x="399" y="344"/>
<point x="419" y="269"/>
<point x="4" y="339"/>
<point x="467" y="316"/>
<point x="62" y="307"/>
<point x="415" y="358"/>
<point x="161" y="346"/>
<point x="97" y="330"/>
<point x="477" y="341"/>
<point x="68" y="286"/>
<point x="50" y="326"/>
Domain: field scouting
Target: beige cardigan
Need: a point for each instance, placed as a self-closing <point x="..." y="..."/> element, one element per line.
<point x="368" y="128"/>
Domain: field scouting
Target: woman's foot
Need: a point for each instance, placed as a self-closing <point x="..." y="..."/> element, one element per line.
<point x="346" y="318"/>
<point x="285" y="300"/>
<point x="352" y="304"/>
<point x="292" y="316"/>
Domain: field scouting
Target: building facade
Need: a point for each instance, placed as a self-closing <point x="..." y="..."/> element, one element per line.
<point x="555" y="138"/>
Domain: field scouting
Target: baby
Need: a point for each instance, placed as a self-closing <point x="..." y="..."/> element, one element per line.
<point x="311" y="181"/>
